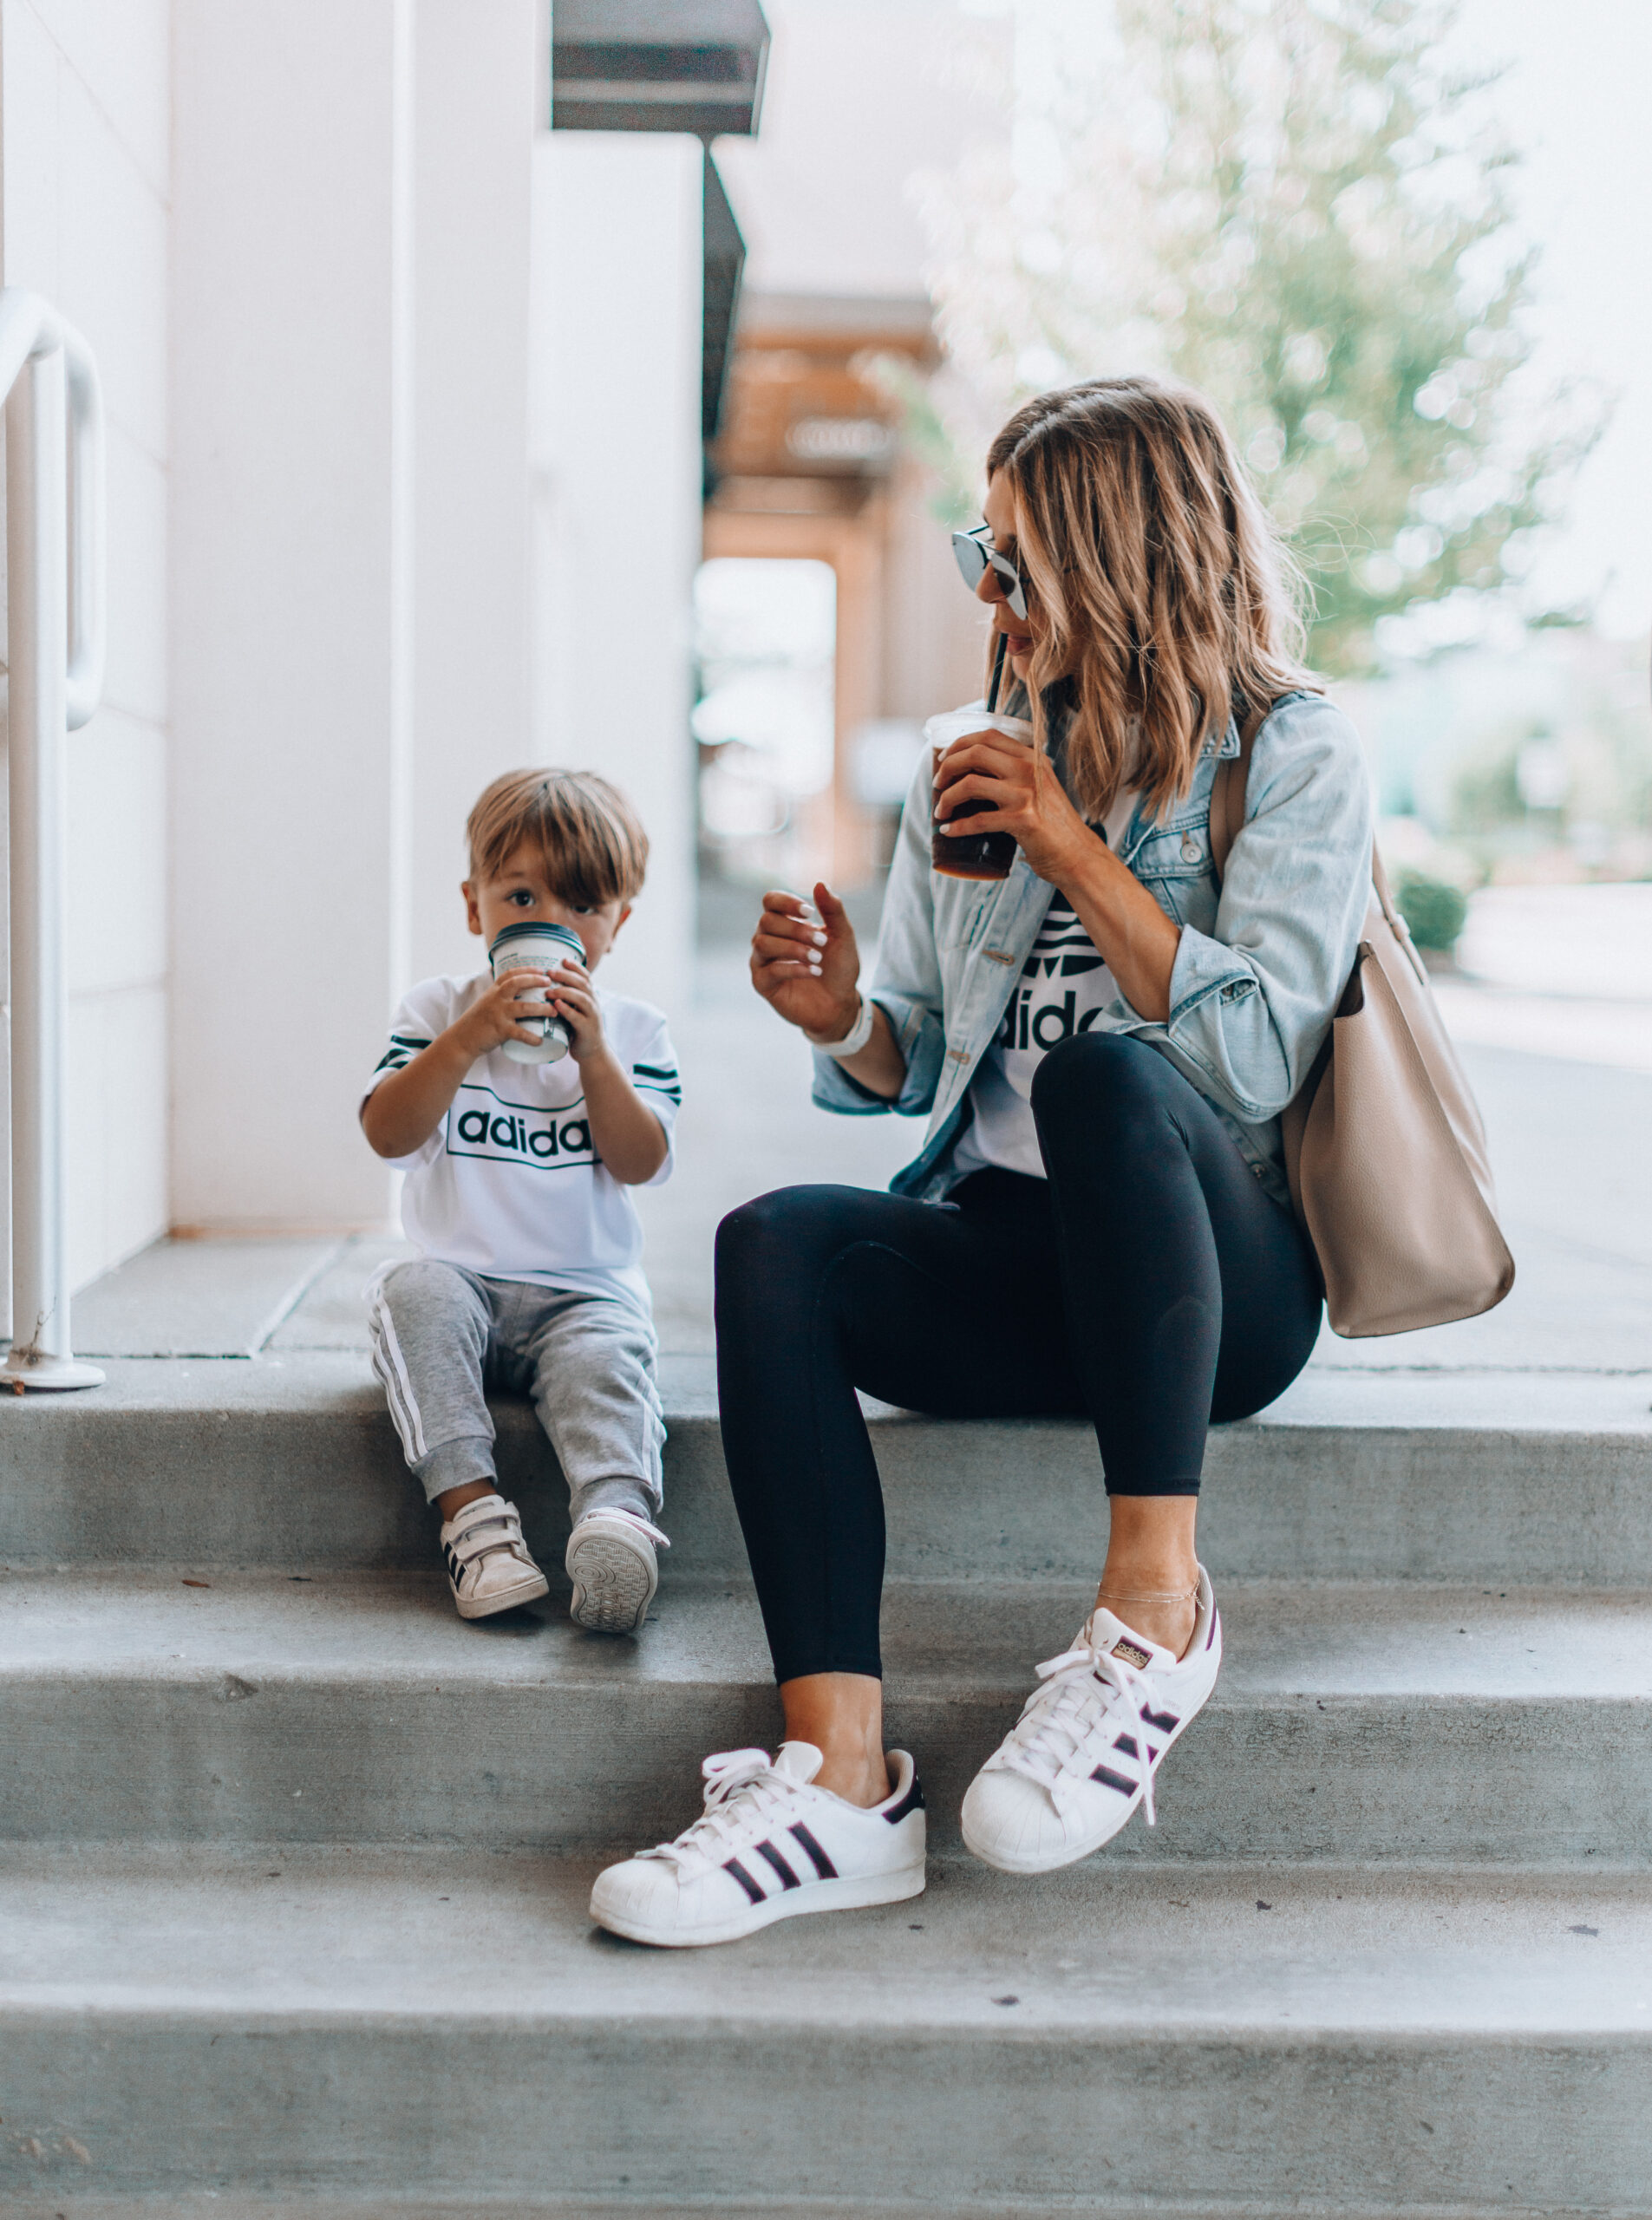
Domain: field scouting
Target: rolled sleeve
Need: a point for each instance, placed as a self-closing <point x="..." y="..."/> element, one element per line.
<point x="921" y="1039"/>
<point x="1204" y="967"/>
<point x="1252" y="1003"/>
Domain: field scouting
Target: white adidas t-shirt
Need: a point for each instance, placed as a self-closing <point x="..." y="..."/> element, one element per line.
<point x="508" y="1185"/>
<point x="1064" y="986"/>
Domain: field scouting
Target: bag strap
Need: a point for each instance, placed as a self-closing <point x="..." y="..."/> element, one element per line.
<point x="1397" y="924"/>
<point x="1227" y="791"/>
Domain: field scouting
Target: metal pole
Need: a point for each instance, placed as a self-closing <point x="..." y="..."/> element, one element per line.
<point x="38" y="569"/>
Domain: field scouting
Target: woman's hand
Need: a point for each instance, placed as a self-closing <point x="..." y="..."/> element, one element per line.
<point x="1125" y="925"/>
<point x="1027" y="799"/>
<point x="807" y="969"/>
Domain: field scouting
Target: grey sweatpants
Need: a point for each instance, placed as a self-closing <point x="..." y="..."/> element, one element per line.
<point x="440" y="1333"/>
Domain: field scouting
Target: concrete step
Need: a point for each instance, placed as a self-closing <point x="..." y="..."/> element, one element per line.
<point x="1402" y="1721"/>
<point x="290" y="1462"/>
<point x="352" y="2026"/>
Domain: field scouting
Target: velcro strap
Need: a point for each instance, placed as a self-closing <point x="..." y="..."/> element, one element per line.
<point x="494" y="1531"/>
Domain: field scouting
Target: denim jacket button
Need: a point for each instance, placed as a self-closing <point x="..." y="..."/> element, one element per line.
<point x="1193" y="848"/>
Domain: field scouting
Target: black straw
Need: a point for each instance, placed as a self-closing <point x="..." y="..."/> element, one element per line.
<point x="997" y="672"/>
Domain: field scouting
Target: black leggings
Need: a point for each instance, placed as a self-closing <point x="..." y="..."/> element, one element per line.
<point x="1148" y="1283"/>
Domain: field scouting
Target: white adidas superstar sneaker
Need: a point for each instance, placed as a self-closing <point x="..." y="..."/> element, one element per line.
<point x="1083" y="1752"/>
<point x="768" y="1846"/>
<point x="489" y="1568"/>
<point x="615" y="1573"/>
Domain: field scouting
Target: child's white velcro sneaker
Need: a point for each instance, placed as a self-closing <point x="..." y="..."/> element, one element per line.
<point x="768" y="1846"/>
<point x="1083" y="1752"/>
<point x="615" y="1573"/>
<point x="488" y="1566"/>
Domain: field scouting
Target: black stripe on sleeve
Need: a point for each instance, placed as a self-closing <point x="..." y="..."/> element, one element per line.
<point x="404" y="1047"/>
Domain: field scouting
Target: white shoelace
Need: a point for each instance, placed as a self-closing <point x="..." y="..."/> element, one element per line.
<point x="742" y="1785"/>
<point x="1058" y="1727"/>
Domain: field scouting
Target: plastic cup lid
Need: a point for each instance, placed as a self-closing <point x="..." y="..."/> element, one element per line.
<point x="530" y="929"/>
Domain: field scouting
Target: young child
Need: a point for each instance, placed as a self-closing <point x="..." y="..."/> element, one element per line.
<point x="529" y="1272"/>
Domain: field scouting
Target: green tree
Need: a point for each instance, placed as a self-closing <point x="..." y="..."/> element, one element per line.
<point x="1300" y="208"/>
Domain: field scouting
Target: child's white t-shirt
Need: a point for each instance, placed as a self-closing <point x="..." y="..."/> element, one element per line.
<point x="508" y="1185"/>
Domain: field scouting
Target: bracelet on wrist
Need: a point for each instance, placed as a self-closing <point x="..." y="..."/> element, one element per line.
<point x="853" y="1041"/>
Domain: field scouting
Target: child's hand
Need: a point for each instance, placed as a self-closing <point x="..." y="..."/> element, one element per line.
<point x="574" y="999"/>
<point x="500" y="1015"/>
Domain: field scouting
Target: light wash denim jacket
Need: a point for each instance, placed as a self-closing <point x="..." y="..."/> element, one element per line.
<point x="1261" y="968"/>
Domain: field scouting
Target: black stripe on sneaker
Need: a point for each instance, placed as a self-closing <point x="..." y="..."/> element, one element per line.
<point x="1128" y="1744"/>
<point x="823" y="1865"/>
<point x="754" y="1889"/>
<point x="1115" y="1781"/>
<point x="788" y="1880"/>
<point x="912" y="1801"/>
<point x="1165" y="1721"/>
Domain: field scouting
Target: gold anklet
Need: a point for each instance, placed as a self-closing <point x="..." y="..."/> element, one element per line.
<point x="1124" y="1595"/>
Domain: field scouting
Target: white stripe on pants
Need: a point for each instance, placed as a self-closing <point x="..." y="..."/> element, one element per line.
<point x="442" y="1334"/>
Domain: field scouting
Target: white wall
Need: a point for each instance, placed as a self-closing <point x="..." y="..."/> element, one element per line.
<point x="291" y="588"/>
<point x="350" y="554"/>
<point x="615" y="442"/>
<point x="84" y="158"/>
<point x="478" y="77"/>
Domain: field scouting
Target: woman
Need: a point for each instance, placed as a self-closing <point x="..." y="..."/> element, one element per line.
<point x="1098" y="1221"/>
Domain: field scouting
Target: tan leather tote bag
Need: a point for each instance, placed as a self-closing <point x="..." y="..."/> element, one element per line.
<point x="1384" y="1147"/>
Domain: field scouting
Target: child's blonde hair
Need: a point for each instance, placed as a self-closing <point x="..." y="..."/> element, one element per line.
<point x="591" y="840"/>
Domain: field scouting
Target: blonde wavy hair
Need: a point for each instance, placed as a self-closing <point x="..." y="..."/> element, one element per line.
<point x="1165" y="594"/>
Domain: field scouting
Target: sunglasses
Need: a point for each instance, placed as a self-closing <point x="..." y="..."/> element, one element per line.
<point x="975" y="554"/>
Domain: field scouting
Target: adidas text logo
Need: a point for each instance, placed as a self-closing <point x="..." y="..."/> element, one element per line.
<point x="517" y="1133"/>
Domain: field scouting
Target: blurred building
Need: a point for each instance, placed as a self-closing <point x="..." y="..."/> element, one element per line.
<point x="809" y="467"/>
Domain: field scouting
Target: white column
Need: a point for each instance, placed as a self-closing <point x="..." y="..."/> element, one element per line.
<point x="349" y="550"/>
<point x="291" y="596"/>
<point x="477" y="76"/>
<point x="617" y="268"/>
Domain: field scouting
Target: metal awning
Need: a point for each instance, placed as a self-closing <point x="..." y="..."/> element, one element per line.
<point x="657" y="65"/>
<point x="725" y="262"/>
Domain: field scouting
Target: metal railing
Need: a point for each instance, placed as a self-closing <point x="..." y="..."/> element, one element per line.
<point x="55" y="571"/>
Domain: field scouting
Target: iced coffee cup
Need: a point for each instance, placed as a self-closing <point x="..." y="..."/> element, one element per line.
<point x="965" y="855"/>
<point x="535" y="947"/>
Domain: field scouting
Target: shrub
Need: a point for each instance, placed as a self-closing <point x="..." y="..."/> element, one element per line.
<point x="1434" y="911"/>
